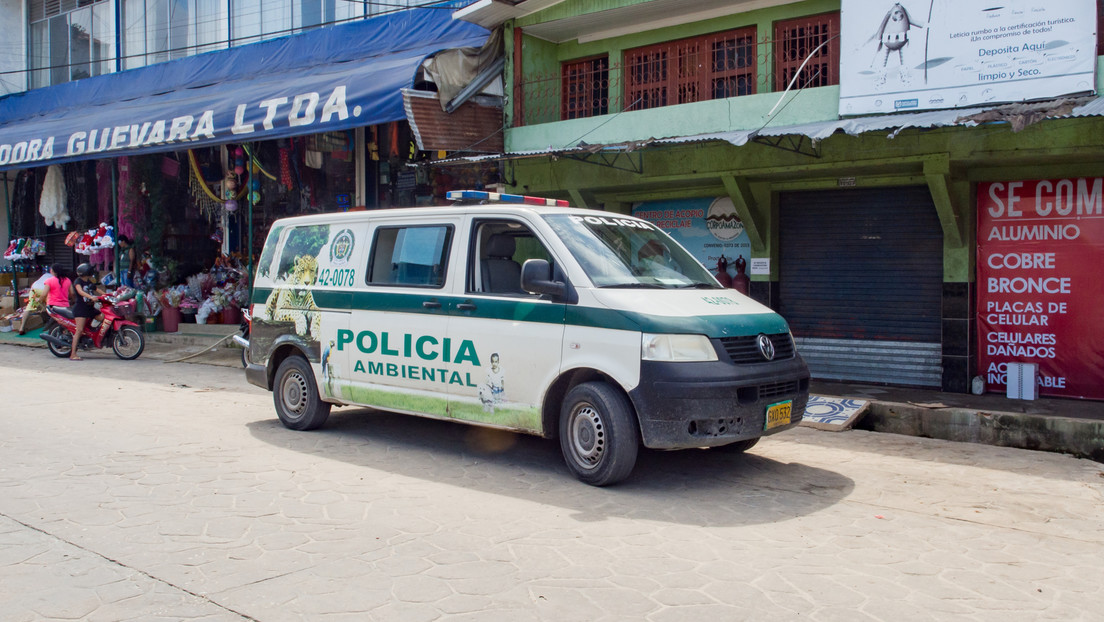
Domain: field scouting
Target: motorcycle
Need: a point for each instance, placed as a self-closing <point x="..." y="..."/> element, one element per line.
<point x="242" y="338"/>
<point x="125" y="336"/>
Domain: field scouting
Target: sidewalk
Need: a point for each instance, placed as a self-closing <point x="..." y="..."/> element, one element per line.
<point x="1068" y="426"/>
<point x="1060" y="425"/>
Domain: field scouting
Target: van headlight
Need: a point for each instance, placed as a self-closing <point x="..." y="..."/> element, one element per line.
<point x="676" y="348"/>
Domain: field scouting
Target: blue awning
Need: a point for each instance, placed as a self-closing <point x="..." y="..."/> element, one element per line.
<point x="332" y="78"/>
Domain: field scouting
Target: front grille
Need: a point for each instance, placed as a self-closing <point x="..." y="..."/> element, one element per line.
<point x="744" y="350"/>
<point x="776" y="389"/>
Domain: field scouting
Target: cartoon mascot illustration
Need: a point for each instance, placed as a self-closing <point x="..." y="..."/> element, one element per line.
<point x="295" y="303"/>
<point x="892" y="36"/>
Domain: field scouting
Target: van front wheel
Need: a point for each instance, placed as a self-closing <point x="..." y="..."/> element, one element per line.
<point x="296" y="396"/>
<point x="598" y="434"/>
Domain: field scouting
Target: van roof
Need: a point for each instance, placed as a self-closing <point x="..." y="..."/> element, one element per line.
<point x="450" y="210"/>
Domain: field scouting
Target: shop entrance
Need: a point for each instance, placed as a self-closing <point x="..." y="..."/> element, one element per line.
<point x="860" y="282"/>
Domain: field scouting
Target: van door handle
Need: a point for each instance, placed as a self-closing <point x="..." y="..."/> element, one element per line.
<point x="466" y="306"/>
<point x="431" y="304"/>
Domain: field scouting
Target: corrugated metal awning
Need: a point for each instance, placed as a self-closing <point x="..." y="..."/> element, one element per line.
<point x="1018" y="115"/>
<point x="476" y="126"/>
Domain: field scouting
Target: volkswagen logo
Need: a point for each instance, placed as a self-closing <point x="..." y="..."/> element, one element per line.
<point x="766" y="347"/>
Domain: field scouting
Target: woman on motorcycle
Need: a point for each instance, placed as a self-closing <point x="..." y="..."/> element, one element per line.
<point x="57" y="287"/>
<point x="83" y="308"/>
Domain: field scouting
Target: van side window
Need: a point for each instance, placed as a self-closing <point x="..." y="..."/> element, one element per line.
<point x="411" y="256"/>
<point x="499" y="248"/>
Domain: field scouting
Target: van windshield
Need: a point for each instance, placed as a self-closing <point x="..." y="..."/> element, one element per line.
<point x="626" y="252"/>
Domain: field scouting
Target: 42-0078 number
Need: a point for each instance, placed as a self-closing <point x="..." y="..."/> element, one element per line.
<point x="335" y="278"/>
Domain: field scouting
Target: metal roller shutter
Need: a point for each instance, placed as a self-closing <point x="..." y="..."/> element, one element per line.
<point x="860" y="282"/>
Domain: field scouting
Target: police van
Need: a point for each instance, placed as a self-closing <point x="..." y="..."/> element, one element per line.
<point x="523" y="314"/>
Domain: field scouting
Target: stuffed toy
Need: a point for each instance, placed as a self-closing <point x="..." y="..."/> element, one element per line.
<point x="103" y="237"/>
<point x="84" y="246"/>
<point x="106" y="236"/>
<point x="229" y="185"/>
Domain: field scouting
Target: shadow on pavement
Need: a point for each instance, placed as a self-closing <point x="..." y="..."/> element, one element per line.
<point x="691" y="487"/>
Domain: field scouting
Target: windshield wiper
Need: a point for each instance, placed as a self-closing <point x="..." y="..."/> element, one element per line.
<point x="632" y="286"/>
<point x="699" y="286"/>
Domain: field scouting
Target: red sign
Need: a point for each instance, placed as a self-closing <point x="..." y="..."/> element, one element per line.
<point x="1040" y="290"/>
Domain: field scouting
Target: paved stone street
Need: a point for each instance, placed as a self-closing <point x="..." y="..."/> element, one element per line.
<point x="149" y="491"/>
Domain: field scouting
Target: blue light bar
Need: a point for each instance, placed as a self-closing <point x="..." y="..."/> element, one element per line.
<point x="481" y="195"/>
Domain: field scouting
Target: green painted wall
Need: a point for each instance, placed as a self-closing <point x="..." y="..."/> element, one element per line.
<point x="541" y="62"/>
<point x="959" y="157"/>
<point x="949" y="161"/>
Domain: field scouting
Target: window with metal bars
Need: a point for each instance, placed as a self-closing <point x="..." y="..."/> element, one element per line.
<point x="815" y="38"/>
<point x="688" y="70"/>
<point x="585" y="88"/>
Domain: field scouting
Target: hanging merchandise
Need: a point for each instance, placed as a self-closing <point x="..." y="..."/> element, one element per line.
<point x="286" y="182"/>
<point x="204" y="198"/>
<point x="52" y="204"/>
<point x="15" y="250"/>
<point x="105" y="237"/>
<point x="23" y="249"/>
<point x="95" y="240"/>
<point x="255" y="165"/>
<point x="230" y="189"/>
<point x="312" y="158"/>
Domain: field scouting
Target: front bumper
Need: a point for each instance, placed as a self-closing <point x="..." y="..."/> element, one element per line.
<point x="684" y="405"/>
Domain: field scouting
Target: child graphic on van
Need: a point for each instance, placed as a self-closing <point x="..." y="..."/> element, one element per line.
<point x="493" y="388"/>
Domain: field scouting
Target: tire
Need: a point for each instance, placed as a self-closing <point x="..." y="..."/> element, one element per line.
<point x="128" y="343"/>
<point x="59" y="331"/>
<point x="296" y="396"/>
<point x="738" y="447"/>
<point x="244" y="358"/>
<point x="598" y="434"/>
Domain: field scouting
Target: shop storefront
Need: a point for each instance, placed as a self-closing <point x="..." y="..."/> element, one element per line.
<point x="191" y="160"/>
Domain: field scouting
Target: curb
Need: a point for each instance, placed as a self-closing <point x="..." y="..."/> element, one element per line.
<point x="1081" y="438"/>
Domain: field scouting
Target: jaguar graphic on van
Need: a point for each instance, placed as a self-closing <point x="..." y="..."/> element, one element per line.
<point x="523" y="314"/>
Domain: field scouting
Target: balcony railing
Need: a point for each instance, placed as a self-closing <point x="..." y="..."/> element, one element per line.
<point x="691" y="70"/>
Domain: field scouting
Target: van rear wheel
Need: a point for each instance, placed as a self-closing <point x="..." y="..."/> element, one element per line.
<point x="598" y="434"/>
<point x="296" y="396"/>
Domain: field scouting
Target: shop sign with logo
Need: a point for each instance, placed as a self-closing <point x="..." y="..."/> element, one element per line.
<point x="707" y="227"/>
<point x="1040" y="248"/>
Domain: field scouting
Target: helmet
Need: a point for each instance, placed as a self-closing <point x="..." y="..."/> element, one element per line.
<point x="84" y="269"/>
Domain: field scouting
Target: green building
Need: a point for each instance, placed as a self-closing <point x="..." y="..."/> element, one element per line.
<point x="842" y="159"/>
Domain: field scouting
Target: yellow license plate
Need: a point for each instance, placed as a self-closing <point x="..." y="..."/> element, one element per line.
<point x="778" y="414"/>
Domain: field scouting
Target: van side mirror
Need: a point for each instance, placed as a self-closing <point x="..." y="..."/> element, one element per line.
<point x="536" y="277"/>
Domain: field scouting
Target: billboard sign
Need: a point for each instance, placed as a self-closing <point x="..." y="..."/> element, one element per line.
<point x="932" y="54"/>
<point x="1040" y="248"/>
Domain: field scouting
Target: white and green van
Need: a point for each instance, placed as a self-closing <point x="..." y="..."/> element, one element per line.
<point x="522" y="314"/>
